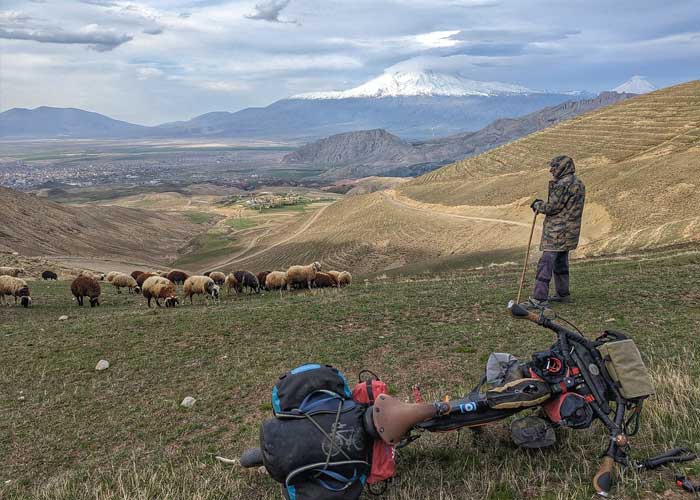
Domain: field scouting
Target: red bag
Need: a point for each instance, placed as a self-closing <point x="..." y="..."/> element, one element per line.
<point x="383" y="464"/>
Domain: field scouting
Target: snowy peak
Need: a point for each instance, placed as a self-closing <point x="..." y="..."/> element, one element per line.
<point x="422" y="83"/>
<point x="635" y="85"/>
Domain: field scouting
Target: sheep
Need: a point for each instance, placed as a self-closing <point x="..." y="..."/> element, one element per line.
<point x="12" y="271"/>
<point x="121" y="280"/>
<point x="136" y="274"/>
<point x="201" y="285"/>
<point x="335" y="274"/>
<point x="90" y="274"/>
<point x="111" y="275"/>
<point x="49" y="275"/>
<point x="84" y="286"/>
<point x="302" y="274"/>
<point x="344" y="279"/>
<point x="158" y="288"/>
<point x="143" y="277"/>
<point x="248" y="280"/>
<point x="207" y="273"/>
<point x="276" y="280"/>
<point x="262" y="276"/>
<point x="9" y="285"/>
<point x="176" y="276"/>
<point x="218" y="277"/>
<point x="231" y="283"/>
<point x="325" y="280"/>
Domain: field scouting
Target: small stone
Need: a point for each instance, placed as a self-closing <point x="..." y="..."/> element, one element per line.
<point x="63" y="318"/>
<point x="188" y="402"/>
<point x="21" y="398"/>
<point x="262" y="470"/>
<point x="610" y="320"/>
<point x="102" y="364"/>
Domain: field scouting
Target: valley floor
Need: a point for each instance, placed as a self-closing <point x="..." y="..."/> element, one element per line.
<point x="69" y="431"/>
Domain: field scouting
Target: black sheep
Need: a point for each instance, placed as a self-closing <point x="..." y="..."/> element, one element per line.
<point x="49" y="275"/>
<point x="247" y="279"/>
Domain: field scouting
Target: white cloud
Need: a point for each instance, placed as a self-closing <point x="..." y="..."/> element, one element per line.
<point x="224" y="86"/>
<point x="148" y="73"/>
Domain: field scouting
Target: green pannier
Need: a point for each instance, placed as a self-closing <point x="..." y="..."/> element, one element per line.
<point x="626" y="368"/>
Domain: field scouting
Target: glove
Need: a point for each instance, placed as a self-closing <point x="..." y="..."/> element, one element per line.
<point x="535" y="205"/>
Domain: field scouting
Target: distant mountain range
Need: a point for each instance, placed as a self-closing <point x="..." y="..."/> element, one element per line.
<point x="47" y="122"/>
<point x="377" y="152"/>
<point x="414" y="105"/>
<point x="635" y="85"/>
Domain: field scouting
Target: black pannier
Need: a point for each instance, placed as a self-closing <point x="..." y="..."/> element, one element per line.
<point x="316" y="445"/>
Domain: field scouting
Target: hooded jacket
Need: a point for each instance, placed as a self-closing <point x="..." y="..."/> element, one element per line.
<point x="563" y="209"/>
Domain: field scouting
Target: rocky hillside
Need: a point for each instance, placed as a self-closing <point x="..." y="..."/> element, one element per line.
<point x="33" y="226"/>
<point x="638" y="159"/>
<point x="377" y="152"/>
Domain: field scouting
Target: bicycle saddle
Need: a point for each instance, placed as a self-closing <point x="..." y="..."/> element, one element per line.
<point x="393" y="419"/>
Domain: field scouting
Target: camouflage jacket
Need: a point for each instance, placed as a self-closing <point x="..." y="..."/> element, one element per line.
<point x="563" y="210"/>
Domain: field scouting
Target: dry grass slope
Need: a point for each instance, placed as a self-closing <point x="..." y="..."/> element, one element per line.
<point x="33" y="226"/>
<point x="640" y="160"/>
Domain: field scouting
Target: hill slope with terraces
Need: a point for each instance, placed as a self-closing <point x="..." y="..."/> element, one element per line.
<point x="640" y="160"/>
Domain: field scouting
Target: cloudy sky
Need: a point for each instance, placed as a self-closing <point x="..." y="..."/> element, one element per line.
<point x="150" y="61"/>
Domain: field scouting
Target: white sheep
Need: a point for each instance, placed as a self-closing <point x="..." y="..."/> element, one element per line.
<point x="201" y="285"/>
<point x="9" y="285"/>
<point x="335" y="274"/>
<point x="90" y="274"/>
<point x="276" y="280"/>
<point x="111" y="275"/>
<point x="122" y="280"/>
<point x="158" y="288"/>
<point x="12" y="271"/>
<point x="218" y="277"/>
<point x="302" y="274"/>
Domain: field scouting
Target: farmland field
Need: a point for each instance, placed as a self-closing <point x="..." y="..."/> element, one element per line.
<point x="69" y="431"/>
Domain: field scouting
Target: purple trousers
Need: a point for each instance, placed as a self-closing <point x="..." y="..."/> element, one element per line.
<point x="552" y="263"/>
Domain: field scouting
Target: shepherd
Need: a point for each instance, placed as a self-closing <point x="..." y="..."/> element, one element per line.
<point x="560" y="233"/>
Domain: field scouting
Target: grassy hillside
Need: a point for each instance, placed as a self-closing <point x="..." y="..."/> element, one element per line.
<point x="639" y="160"/>
<point x="70" y="432"/>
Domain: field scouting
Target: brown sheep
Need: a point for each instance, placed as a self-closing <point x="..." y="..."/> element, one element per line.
<point x="276" y="280"/>
<point x="158" y="288"/>
<point x="143" y="277"/>
<point x="324" y="280"/>
<point x="262" y="276"/>
<point x="302" y="275"/>
<point x="344" y="278"/>
<point x="231" y="283"/>
<point x="136" y="274"/>
<point x="177" y="276"/>
<point x="218" y="277"/>
<point x="84" y="286"/>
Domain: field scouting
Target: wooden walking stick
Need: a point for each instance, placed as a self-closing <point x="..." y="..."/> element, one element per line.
<point x="527" y="257"/>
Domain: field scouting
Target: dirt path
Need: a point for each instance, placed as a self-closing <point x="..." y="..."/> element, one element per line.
<point x="395" y="201"/>
<point x="241" y="255"/>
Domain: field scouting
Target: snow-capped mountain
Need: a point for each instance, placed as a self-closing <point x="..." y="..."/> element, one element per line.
<point x="635" y="85"/>
<point x="421" y="83"/>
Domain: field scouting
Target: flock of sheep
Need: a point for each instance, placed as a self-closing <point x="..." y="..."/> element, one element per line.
<point x="159" y="285"/>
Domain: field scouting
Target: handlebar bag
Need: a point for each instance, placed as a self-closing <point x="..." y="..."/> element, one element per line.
<point x="625" y="366"/>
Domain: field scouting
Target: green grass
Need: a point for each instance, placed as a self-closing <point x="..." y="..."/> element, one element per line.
<point x="240" y="223"/>
<point x="199" y="217"/>
<point x="206" y="246"/>
<point x="71" y="432"/>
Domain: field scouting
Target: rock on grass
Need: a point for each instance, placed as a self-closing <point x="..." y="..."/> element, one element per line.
<point x="188" y="402"/>
<point x="102" y="364"/>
